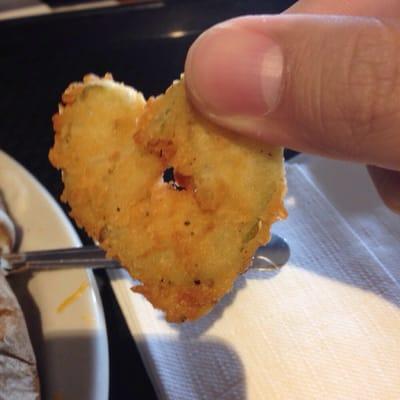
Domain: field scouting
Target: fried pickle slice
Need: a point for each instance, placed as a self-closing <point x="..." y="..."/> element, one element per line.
<point x="179" y="201"/>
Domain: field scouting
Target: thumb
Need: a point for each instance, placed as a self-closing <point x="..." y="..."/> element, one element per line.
<point x="326" y="85"/>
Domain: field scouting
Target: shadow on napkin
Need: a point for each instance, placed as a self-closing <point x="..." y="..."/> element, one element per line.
<point x="193" y="368"/>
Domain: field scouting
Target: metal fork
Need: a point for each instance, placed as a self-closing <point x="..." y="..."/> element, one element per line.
<point x="274" y="255"/>
<point x="75" y="257"/>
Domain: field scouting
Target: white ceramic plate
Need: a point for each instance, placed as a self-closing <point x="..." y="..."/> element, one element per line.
<point x="70" y="343"/>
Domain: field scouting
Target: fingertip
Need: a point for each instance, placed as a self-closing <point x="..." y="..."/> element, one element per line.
<point x="387" y="183"/>
<point x="234" y="70"/>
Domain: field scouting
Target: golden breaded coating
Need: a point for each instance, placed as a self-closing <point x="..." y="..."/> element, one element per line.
<point x="185" y="240"/>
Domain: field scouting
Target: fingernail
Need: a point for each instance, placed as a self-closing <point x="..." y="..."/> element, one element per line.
<point x="234" y="71"/>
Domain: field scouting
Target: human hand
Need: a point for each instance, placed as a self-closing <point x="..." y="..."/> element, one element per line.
<point x="328" y="85"/>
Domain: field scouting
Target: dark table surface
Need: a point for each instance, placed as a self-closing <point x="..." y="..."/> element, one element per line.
<point x="38" y="58"/>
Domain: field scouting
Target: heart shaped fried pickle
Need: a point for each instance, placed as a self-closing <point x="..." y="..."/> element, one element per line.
<point x="179" y="201"/>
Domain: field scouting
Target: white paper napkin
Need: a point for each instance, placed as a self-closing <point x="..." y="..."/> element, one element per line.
<point x="326" y="326"/>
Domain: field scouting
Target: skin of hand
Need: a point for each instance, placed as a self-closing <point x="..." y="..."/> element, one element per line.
<point x="326" y="84"/>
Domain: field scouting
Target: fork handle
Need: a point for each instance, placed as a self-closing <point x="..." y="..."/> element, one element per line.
<point x="77" y="253"/>
<point x="64" y="264"/>
<point x="87" y="257"/>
